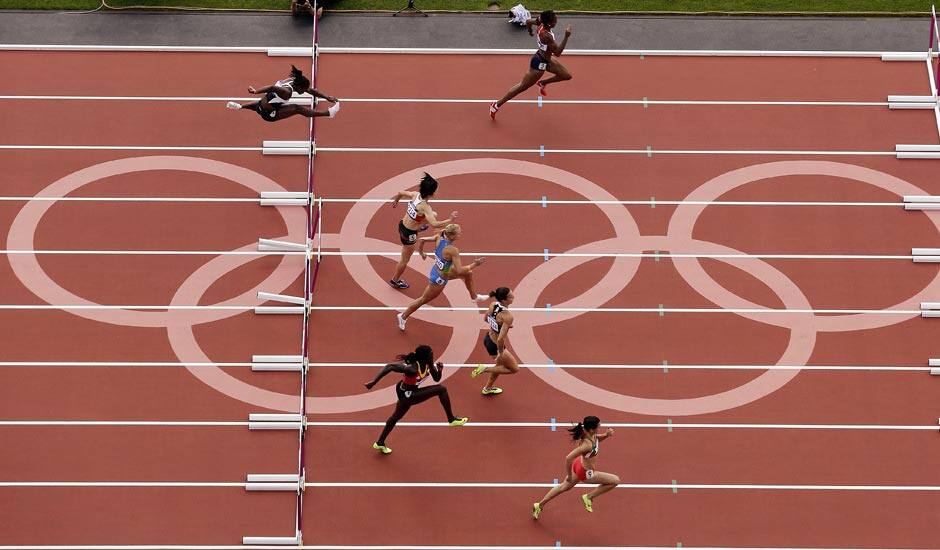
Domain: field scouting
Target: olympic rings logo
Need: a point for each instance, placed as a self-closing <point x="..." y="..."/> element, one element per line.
<point x="803" y="327"/>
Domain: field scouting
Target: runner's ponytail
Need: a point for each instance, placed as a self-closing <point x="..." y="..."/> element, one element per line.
<point x="422" y="355"/>
<point x="500" y="293"/>
<point x="589" y="423"/>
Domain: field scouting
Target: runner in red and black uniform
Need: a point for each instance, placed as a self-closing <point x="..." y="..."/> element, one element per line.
<point x="418" y="217"/>
<point x="415" y="367"/>
<point x="580" y="464"/>
<point x="541" y="61"/>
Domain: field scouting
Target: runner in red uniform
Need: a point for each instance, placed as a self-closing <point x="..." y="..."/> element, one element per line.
<point x="579" y="465"/>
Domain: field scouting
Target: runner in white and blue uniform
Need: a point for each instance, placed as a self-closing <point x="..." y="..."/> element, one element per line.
<point x="276" y="105"/>
<point x="499" y="321"/>
<point x="446" y="267"/>
<point x="541" y="61"/>
<point x="418" y="217"/>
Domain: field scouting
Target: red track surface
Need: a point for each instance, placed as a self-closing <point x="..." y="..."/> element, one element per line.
<point x="477" y="516"/>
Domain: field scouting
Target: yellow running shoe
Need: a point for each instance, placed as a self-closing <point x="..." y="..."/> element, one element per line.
<point x="459" y="421"/>
<point x="536" y="510"/>
<point x="588" y="505"/>
<point x="477" y="371"/>
<point x="385" y="450"/>
<point x="491" y="391"/>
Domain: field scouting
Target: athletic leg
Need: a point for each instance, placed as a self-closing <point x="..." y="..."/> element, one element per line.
<point x="607" y="482"/>
<point x="400" y="409"/>
<point x="407" y="250"/>
<point x="560" y="72"/>
<point x="531" y="77"/>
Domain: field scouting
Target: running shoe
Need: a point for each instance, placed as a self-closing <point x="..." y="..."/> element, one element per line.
<point x="491" y="391"/>
<point x="382" y="448"/>
<point x="458" y="421"/>
<point x="233" y="105"/>
<point x="542" y="89"/>
<point x="424" y="227"/>
<point x="333" y="109"/>
<point x="399" y="284"/>
<point x="493" y="110"/>
<point x="477" y="371"/>
<point x="536" y="510"/>
<point x="401" y="322"/>
<point x="588" y="505"/>
<point x="481" y="298"/>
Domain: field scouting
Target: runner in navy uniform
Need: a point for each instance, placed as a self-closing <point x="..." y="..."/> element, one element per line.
<point x="541" y="61"/>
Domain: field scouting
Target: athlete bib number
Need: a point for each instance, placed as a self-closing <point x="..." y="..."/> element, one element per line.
<point x="543" y="66"/>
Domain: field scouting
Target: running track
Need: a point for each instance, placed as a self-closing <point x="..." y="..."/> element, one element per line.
<point x="665" y="456"/>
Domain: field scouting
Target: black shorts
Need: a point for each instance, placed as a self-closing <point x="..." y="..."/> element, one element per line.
<point x="490" y="345"/>
<point x="271" y="114"/>
<point x="407" y="236"/>
<point x="404" y="391"/>
<point x="537" y="63"/>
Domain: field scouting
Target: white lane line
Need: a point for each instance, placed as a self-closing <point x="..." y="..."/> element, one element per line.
<point x="669" y="486"/>
<point x="553" y="309"/>
<point x="396" y="254"/>
<point x="374" y="424"/>
<point x="608" y="366"/>
<point x="597" y="366"/>
<point x="459" y="150"/>
<point x="476" y="485"/>
<point x="159" y="252"/>
<point x="403" y="547"/>
<point x="429" y="100"/>
<point x="462" y="201"/>
<point x="306" y="52"/>
<point x="429" y="309"/>
<point x="119" y="364"/>
<point x="657" y="202"/>
<point x="629" y="425"/>
<point x="600" y="151"/>
<point x="130" y="199"/>
<point x="138" y="423"/>
<point x="655" y="255"/>
<point x="110" y="307"/>
<point x="126" y="148"/>
<point x="202" y="484"/>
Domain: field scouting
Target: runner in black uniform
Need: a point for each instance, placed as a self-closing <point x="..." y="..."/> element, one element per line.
<point x="415" y="368"/>
<point x="275" y="105"/>
<point x="499" y="321"/>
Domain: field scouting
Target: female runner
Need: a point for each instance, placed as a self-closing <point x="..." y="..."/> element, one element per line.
<point x="446" y="267"/>
<point x="275" y="105"/>
<point x="499" y="320"/>
<point x="542" y="60"/>
<point x="579" y="465"/>
<point x="418" y="217"/>
<point x="415" y="368"/>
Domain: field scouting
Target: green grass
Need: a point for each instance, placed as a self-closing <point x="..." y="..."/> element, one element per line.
<point x="685" y="6"/>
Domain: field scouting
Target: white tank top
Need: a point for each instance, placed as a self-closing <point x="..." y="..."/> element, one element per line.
<point x="412" y="209"/>
<point x="538" y="39"/>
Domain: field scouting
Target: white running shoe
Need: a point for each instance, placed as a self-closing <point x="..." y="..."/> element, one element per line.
<point x="233" y="105"/>
<point x="401" y="322"/>
<point x="333" y="110"/>
<point x="481" y="298"/>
